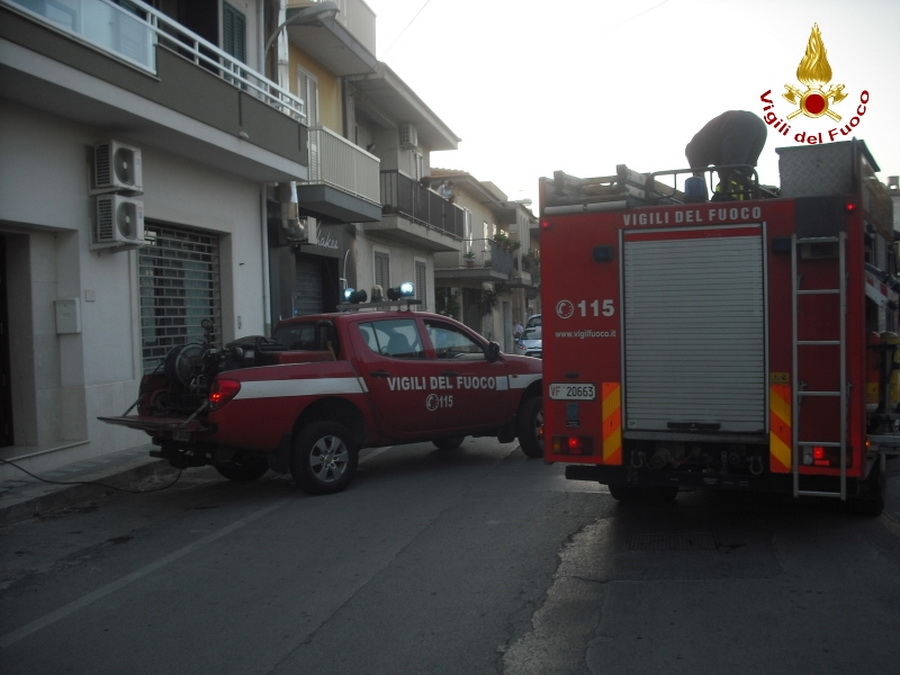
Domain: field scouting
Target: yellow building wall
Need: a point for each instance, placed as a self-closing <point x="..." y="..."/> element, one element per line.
<point x="330" y="108"/>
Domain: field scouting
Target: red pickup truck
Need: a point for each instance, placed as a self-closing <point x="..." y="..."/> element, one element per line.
<point x="306" y="400"/>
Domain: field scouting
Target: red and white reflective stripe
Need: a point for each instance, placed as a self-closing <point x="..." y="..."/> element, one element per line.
<point x="326" y="386"/>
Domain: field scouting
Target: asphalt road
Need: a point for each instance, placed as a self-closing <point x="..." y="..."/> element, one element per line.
<point x="476" y="561"/>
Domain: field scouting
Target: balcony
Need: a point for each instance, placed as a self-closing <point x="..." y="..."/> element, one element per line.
<point x="101" y="65"/>
<point x="416" y="215"/>
<point x="344" y="45"/>
<point x="486" y="260"/>
<point x="343" y="183"/>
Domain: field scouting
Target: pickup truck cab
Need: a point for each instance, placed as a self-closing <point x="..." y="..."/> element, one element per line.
<point x="324" y="386"/>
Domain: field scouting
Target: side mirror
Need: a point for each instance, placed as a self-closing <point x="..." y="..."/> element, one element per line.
<point x="492" y="351"/>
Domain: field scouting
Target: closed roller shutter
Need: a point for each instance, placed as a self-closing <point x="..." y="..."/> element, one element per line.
<point x="179" y="286"/>
<point x="309" y="285"/>
<point x="695" y="331"/>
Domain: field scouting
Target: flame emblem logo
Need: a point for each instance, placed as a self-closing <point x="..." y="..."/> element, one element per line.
<point x="814" y="72"/>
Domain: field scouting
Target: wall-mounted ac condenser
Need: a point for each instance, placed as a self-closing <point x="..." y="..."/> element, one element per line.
<point x="118" y="222"/>
<point x="117" y="168"/>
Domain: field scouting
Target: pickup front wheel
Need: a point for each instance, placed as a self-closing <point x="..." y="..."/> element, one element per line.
<point x="323" y="458"/>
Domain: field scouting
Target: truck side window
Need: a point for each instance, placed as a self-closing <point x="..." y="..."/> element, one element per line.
<point x="310" y="336"/>
<point x="397" y="338"/>
<point x="450" y="343"/>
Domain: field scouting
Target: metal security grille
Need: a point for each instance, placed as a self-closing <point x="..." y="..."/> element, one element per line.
<point x="180" y="286"/>
<point x="695" y="333"/>
<point x="308" y="295"/>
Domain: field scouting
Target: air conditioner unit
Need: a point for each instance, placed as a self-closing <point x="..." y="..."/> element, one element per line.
<point x="117" y="168"/>
<point x="409" y="136"/>
<point x="118" y="222"/>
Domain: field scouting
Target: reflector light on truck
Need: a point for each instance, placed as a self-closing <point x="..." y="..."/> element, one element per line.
<point x="572" y="445"/>
<point x="222" y="391"/>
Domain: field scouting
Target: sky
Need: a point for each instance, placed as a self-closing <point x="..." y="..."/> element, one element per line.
<point x="585" y="85"/>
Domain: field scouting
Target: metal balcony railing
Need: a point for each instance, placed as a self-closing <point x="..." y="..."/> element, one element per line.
<point x="132" y="35"/>
<point x="479" y="253"/>
<point x="403" y="196"/>
<point x="335" y="161"/>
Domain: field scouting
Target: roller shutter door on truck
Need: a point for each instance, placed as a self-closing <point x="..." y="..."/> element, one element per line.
<point x="694" y="330"/>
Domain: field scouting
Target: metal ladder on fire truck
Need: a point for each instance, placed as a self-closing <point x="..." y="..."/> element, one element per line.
<point x="800" y="344"/>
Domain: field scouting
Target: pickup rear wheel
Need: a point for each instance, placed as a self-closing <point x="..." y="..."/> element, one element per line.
<point x="323" y="458"/>
<point x="530" y="426"/>
<point x="244" y="468"/>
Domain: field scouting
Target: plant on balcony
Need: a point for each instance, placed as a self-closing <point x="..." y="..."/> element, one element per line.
<point x="530" y="262"/>
<point x="502" y="239"/>
<point x="469" y="258"/>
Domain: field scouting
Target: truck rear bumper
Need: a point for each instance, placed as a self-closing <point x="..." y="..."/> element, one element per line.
<point x="618" y="475"/>
<point x="167" y="427"/>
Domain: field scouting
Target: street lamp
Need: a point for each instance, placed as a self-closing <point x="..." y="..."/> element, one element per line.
<point x="317" y="13"/>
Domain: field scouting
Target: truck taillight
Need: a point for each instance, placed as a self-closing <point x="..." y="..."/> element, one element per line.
<point x="824" y="456"/>
<point x="572" y="445"/>
<point x="222" y="391"/>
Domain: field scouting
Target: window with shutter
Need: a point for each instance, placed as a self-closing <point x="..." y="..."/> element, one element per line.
<point x="383" y="270"/>
<point x="234" y="33"/>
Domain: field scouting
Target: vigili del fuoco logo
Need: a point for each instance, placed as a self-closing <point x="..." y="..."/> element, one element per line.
<point x="816" y="97"/>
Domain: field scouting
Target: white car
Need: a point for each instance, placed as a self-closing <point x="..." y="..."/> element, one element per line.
<point x="530" y="344"/>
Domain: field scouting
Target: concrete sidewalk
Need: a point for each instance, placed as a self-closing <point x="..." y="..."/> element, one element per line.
<point x="27" y="496"/>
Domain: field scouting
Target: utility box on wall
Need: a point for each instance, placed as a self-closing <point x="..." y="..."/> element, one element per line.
<point x="68" y="316"/>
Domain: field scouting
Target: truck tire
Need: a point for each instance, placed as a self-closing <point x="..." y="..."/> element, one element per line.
<point x="323" y="458"/>
<point x="871" y="502"/>
<point x="244" y="468"/>
<point x="530" y="426"/>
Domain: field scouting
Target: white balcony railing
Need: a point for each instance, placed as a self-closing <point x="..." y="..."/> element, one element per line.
<point x="335" y="161"/>
<point x="133" y="34"/>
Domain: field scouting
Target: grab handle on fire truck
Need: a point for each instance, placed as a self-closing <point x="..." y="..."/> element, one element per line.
<point x="694" y="426"/>
<point x="380" y="373"/>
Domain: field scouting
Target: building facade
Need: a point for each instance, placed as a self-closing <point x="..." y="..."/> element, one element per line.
<point x="180" y="160"/>
<point x="242" y="161"/>
<point x="493" y="281"/>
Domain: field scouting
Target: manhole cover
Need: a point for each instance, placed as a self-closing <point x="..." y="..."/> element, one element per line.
<point x="692" y="541"/>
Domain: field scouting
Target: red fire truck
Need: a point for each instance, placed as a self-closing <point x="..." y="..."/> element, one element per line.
<point x="747" y="342"/>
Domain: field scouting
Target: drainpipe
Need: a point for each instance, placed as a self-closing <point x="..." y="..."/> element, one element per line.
<point x="264" y="246"/>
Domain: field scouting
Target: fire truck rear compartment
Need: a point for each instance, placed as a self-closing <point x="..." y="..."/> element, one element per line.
<point x="694" y="333"/>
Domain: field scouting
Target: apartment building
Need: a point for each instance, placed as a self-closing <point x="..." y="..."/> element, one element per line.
<point x="180" y="160"/>
<point x="493" y="281"/>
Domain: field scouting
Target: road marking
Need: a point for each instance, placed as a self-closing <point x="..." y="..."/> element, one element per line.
<point x="61" y="613"/>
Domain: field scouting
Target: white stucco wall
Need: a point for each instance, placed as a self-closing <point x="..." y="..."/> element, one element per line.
<point x="66" y="380"/>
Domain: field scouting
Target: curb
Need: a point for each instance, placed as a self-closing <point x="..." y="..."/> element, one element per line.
<point x="40" y="498"/>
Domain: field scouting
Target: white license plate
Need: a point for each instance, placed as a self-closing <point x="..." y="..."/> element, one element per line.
<point x="572" y="391"/>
